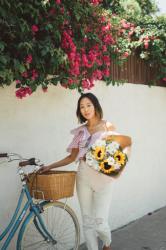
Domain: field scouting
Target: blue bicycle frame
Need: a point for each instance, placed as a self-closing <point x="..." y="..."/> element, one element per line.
<point x="35" y="209"/>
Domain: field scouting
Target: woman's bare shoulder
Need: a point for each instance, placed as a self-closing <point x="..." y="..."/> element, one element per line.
<point x="110" y="126"/>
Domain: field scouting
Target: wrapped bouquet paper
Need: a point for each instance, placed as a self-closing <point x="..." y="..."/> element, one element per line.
<point x="107" y="157"/>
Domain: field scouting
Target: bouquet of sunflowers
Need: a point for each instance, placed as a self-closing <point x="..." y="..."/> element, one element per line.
<point x="107" y="157"/>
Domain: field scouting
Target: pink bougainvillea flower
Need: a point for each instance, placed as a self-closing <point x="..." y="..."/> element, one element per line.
<point x="97" y="74"/>
<point x="95" y="47"/>
<point x="64" y="85"/>
<point x="78" y="57"/>
<point x="72" y="81"/>
<point x="87" y="29"/>
<point x="108" y="39"/>
<point x="25" y="74"/>
<point x="67" y="42"/>
<point x="102" y="19"/>
<point x="125" y="24"/>
<point x="106" y="27"/>
<point x="146" y="44"/>
<point x="18" y="81"/>
<point x="132" y="30"/>
<point x="106" y="72"/>
<point x="106" y="60"/>
<point x="52" y="11"/>
<point x="104" y="48"/>
<point x="34" y="74"/>
<point x="75" y="70"/>
<point x="34" y="28"/>
<point x="58" y="1"/>
<point x="125" y="54"/>
<point x="28" y="59"/>
<point x="146" y="38"/>
<point x="62" y="10"/>
<point x="95" y="2"/>
<point x="85" y="39"/>
<point x="99" y="62"/>
<point x="84" y="60"/>
<point x="66" y="22"/>
<point x="87" y="83"/>
<point x="164" y="79"/>
<point x="92" y="55"/>
<point x="44" y="89"/>
<point x="23" y="92"/>
<point x="71" y="56"/>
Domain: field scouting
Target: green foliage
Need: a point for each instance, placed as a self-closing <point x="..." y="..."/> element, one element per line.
<point x="130" y="8"/>
<point x="148" y="7"/>
<point x="122" y="7"/>
<point x="149" y="41"/>
<point x="43" y="42"/>
<point x="32" y="35"/>
<point x="17" y="39"/>
<point x="147" y="36"/>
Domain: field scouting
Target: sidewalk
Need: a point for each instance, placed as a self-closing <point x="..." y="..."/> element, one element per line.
<point x="146" y="233"/>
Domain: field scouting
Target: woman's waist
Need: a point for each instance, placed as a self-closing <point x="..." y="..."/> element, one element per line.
<point x="82" y="158"/>
<point x="81" y="155"/>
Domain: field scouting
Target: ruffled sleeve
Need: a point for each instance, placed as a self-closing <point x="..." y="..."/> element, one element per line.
<point x="78" y="135"/>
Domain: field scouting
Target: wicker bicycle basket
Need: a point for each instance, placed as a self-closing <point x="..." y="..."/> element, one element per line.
<point x="52" y="185"/>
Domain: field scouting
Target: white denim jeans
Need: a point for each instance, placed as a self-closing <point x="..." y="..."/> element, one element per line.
<point x="94" y="194"/>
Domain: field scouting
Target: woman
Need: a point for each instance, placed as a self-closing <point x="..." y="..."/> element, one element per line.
<point x="93" y="188"/>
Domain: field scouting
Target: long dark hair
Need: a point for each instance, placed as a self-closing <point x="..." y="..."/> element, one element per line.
<point x="96" y="104"/>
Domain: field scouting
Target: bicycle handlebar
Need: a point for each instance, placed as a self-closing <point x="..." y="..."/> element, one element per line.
<point x="22" y="162"/>
<point x="3" y="155"/>
<point x="30" y="161"/>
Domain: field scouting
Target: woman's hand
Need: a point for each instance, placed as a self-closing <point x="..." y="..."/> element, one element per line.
<point x="44" y="169"/>
<point x="67" y="160"/>
<point x="123" y="140"/>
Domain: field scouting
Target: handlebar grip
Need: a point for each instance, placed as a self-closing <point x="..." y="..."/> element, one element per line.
<point x="3" y="155"/>
<point x="31" y="161"/>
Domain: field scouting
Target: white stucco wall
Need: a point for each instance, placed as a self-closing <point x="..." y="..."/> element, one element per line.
<point x="39" y="126"/>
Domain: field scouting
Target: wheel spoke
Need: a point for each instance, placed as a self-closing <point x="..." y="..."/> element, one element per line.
<point x="61" y="224"/>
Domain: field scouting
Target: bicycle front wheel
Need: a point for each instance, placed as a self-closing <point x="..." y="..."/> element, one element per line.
<point x="62" y="224"/>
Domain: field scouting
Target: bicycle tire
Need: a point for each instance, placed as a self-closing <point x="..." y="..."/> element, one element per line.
<point x="61" y="222"/>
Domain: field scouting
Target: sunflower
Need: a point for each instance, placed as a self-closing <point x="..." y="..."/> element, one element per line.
<point x="120" y="158"/>
<point x="99" y="153"/>
<point x="106" y="168"/>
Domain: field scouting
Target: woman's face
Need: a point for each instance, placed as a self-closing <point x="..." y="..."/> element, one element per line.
<point x="87" y="108"/>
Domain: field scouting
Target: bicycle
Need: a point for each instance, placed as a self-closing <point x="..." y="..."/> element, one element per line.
<point x="42" y="224"/>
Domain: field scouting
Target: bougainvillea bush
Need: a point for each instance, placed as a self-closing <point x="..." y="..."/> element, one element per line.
<point x="144" y="32"/>
<point x="66" y="42"/>
<point x="149" y="42"/>
<point x="71" y="43"/>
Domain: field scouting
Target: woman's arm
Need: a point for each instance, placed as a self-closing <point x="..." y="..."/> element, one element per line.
<point x="123" y="140"/>
<point x="65" y="161"/>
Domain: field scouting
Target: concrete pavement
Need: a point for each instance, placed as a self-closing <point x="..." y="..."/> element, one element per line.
<point x="146" y="233"/>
